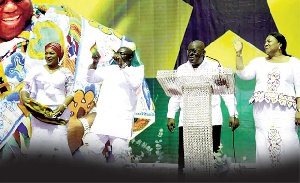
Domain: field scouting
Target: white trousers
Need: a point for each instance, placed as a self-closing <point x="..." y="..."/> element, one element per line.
<point x="94" y="144"/>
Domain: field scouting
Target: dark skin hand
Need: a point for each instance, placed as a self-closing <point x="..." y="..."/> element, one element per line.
<point x="171" y="125"/>
<point x="118" y="58"/>
<point x="123" y="57"/>
<point x="234" y="123"/>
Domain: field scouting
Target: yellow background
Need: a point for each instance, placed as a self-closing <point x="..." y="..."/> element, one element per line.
<point x="157" y="27"/>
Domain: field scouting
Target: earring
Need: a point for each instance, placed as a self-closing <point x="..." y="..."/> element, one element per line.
<point x="58" y="62"/>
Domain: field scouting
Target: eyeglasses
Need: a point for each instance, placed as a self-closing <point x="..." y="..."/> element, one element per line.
<point x="122" y="53"/>
<point x="2" y="2"/>
<point x="196" y="51"/>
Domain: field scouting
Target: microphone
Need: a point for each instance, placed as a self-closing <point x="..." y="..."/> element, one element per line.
<point x="220" y="81"/>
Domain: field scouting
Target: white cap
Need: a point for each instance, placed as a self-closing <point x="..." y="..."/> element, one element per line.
<point x="128" y="44"/>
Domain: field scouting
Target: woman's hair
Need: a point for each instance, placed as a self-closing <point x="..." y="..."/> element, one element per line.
<point x="281" y="39"/>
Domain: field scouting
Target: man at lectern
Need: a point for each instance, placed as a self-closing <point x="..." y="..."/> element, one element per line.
<point x="197" y="61"/>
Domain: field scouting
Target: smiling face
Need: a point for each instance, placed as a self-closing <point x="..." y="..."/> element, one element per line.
<point x="195" y="52"/>
<point x="124" y="54"/>
<point x="14" y="14"/>
<point x="51" y="58"/>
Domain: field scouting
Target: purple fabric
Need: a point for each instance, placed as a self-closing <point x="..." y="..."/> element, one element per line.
<point x="250" y="19"/>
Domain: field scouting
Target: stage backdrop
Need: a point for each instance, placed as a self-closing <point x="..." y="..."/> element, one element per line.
<point x="162" y="31"/>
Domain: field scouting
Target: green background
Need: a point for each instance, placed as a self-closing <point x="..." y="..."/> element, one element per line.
<point x="164" y="148"/>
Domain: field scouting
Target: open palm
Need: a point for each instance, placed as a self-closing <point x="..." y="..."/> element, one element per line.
<point x="238" y="45"/>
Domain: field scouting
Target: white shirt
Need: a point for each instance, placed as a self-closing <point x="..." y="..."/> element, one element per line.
<point x="278" y="77"/>
<point x="217" y="119"/>
<point x="117" y="99"/>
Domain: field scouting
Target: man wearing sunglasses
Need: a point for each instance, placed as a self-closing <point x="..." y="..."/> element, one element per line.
<point x="115" y="109"/>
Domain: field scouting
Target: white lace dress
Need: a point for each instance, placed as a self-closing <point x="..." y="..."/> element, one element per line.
<point x="49" y="141"/>
<point x="274" y="104"/>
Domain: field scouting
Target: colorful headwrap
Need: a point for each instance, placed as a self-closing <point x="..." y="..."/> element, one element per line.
<point x="57" y="48"/>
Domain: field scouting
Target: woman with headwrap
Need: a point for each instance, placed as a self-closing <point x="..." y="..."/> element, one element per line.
<point x="47" y="92"/>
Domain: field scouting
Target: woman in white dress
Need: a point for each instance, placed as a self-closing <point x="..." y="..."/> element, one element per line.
<point x="276" y="102"/>
<point x="49" y="85"/>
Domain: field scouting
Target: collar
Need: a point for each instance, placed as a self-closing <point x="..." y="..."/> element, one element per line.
<point x="204" y="62"/>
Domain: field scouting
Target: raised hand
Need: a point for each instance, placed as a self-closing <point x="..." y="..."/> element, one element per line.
<point x="237" y="44"/>
<point x="118" y="58"/>
<point x="96" y="57"/>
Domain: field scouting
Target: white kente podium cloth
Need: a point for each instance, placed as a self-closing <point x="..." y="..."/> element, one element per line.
<point x="197" y="88"/>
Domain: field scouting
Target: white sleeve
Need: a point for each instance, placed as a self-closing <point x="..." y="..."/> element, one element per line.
<point x="30" y="81"/>
<point x="134" y="76"/>
<point x="95" y="75"/>
<point x="173" y="106"/>
<point x="230" y="102"/>
<point x="249" y="71"/>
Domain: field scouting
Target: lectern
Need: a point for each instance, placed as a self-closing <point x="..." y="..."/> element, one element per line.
<point x="196" y="89"/>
